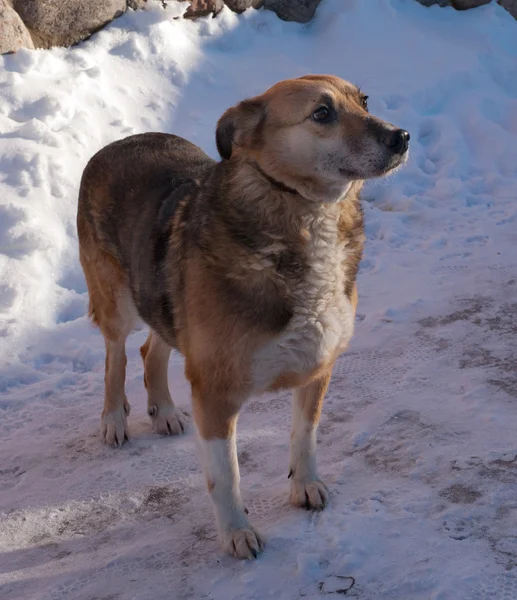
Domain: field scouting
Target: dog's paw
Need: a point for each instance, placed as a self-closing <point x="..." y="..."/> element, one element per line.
<point x="167" y="420"/>
<point x="244" y="544"/>
<point x="312" y="495"/>
<point x="114" y="431"/>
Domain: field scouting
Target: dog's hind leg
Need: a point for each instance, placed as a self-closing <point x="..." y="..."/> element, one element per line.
<point x="114" y="429"/>
<point x="112" y="310"/>
<point x="165" y="417"/>
<point x="307" y="490"/>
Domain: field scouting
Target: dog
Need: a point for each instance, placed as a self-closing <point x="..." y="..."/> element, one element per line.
<point x="247" y="266"/>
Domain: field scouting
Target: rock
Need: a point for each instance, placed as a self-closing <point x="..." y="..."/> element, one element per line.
<point x="431" y="2"/>
<point x="457" y="4"/>
<point x="136" y="4"/>
<point x="13" y="33"/>
<point x="239" y="6"/>
<point x="466" y="4"/>
<point x="510" y="5"/>
<point x="300" y="11"/>
<point x="202" y="8"/>
<point x="66" y="22"/>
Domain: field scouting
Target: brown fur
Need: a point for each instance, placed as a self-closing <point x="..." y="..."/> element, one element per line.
<point x="219" y="258"/>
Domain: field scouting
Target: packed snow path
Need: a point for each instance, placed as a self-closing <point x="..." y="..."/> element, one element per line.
<point x="418" y="437"/>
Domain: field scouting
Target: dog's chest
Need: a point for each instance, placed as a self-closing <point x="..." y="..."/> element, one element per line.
<point x="323" y="316"/>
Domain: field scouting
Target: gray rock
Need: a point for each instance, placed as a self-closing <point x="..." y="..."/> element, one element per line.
<point x="202" y="8"/>
<point x="510" y="5"/>
<point x="457" y="4"/>
<point x="66" y="22"/>
<point x="239" y="6"/>
<point x="13" y="33"/>
<point x="300" y="11"/>
<point x="466" y="4"/>
<point x="136" y="4"/>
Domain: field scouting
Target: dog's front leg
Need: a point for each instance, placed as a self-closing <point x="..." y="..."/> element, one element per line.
<point x="216" y="423"/>
<point x="307" y="490"/>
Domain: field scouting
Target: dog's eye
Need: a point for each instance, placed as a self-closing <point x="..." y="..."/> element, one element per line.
<point x="322" y="114"/>
<point x="364" y="102"/>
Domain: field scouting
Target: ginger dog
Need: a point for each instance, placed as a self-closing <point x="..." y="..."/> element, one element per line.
<point x="247" y="266"/>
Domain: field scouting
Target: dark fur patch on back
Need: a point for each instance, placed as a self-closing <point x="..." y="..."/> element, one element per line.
<point x="151" y="293"/>
<point x="163" y="226"/>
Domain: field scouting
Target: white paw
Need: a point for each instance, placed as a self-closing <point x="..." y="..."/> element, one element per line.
<point x="312" y="495"/>
<point x="244" y="544"/>
<point x="167" y="420"/>
<point x="114" y="431"/>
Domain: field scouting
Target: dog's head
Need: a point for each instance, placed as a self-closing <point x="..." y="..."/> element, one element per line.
<point x="314" y="134"/>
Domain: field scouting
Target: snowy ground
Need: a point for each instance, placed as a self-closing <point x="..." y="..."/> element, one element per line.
<point x="417" y="439"/>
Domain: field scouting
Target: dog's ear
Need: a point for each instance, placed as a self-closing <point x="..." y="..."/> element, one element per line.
<point x="225" y="132"/>
<point x="238" y="125"/>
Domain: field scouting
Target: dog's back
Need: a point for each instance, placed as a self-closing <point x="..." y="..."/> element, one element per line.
<point x="129" y="194"/>
<point x="130" y="182"/>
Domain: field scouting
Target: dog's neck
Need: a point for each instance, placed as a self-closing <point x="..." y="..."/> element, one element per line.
<point x="282" y="187"/>
<point x="262" y="184"/>
<point x="254" y="200"/>
<point x="312" y="195"/>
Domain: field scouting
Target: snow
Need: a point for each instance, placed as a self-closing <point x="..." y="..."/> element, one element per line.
<point x="417" y="441"/>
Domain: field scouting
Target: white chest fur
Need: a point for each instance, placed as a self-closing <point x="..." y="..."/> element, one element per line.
<point x="323" y="317"/>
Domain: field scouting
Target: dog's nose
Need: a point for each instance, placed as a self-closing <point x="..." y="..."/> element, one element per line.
<point x="398" y="141"/>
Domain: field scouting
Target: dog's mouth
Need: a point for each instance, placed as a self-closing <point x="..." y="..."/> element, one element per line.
<point x="375" y="169"/>
<point x="395" y="162"/>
